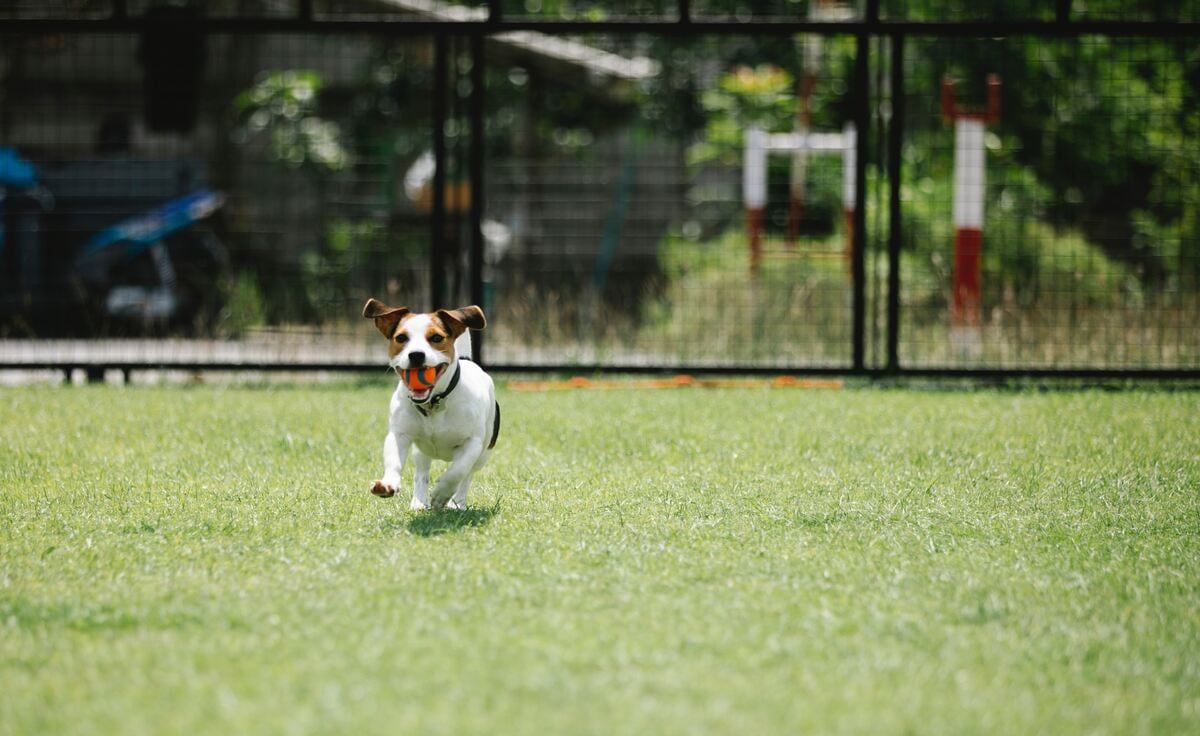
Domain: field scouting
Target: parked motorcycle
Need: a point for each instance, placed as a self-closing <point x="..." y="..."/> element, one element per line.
<point x="82" y="254"/>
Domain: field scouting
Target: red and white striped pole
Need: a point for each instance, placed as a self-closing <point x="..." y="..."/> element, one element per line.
<point x="799" y="157"/>
<point x="849" y="195"/>
<point x="970" y="186"/>
<point x="758" y="145"/>
<point x="754" y="192"/>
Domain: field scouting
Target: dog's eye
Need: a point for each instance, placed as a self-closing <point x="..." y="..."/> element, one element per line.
<point x="436" y="339"/>
<point x="402" y="337"/>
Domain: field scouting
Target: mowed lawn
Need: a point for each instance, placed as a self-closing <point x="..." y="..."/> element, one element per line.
<point x="209" y="561"/>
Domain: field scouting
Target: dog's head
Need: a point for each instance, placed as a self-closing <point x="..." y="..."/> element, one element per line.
<point x="417" y="340"/>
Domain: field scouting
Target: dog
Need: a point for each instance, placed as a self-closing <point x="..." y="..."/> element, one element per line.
<point x="457" y="419"/>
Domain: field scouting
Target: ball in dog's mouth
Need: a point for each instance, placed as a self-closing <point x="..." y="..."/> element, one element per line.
<point x="420" y="381"/>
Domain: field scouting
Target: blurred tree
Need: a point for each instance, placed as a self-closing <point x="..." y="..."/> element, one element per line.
<point x="282" y="106"/>
<point x="746" y="97"/>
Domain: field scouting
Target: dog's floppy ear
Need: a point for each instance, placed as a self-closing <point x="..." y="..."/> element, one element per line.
<point x="458" y="320"/>
<point x="386" y="318"/>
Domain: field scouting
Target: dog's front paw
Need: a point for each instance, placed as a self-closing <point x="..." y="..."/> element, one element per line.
<point x="417" y="505"/>
<point x="453" y="505"/>
<point x="383" y="490"/>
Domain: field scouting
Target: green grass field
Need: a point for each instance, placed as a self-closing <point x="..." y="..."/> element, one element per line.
<point x="208" y="561"/>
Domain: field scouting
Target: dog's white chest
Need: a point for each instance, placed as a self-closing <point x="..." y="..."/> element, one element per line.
<point x="438" y="437"/>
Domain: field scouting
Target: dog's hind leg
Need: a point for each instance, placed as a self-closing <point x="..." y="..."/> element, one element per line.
<point x="421" y="463"/>
<point x="461" y="468"/>
<point x="459" y="500"/>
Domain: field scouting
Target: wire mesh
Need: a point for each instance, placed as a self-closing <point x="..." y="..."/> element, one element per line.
<point x="1088" y="227"/>
<point x="224" y="8"/>
<point x="589" y="10"/>
<point x="1136" y="10"/>
<point x="969" y="10"/>
<point x="625" y="239"/>
<point x="55" y="9"/>
<point x="304" y="141"/>
<point x="831" y="11"/>
<point x="289" y="176"/>
<point x="393" y="10"/>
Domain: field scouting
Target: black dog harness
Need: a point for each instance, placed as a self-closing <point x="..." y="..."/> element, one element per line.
<point x="436" y="401"/>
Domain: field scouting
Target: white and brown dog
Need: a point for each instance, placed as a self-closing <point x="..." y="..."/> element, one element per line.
<point x="456" y="419"/>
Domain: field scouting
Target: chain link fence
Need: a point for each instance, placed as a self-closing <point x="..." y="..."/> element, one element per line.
<point x="950" y="188"/>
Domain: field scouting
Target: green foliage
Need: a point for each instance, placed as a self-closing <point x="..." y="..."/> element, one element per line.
<point x="560" y="9"/>
<point x="591" y="10"/>
<point x="282" y="106"/>
<point x="527" y="111"/>
<point x="709" y="306"/>
<point x="385" y="115"/>
<point x="326" y="272"/>
<point x="209" y="561"/>
<point x="1107" y="125"/>
<point x="244" y="306"/>
<point x="1045" y="292"/>
<point x="743" y="98"/>
<point x="1096" y="135"/>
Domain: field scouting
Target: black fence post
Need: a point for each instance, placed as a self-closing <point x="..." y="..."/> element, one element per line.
<point x="862" y="122"/>
<point x="437" y="243"/>
<point x="895" y="215"/>
<point x="1062" y="11"/>
<point x="477" y="182"/>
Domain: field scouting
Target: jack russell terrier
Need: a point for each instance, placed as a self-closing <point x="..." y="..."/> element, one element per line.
<point x="456" y="418"/>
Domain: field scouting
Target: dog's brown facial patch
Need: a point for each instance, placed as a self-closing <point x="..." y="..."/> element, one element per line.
<point x="400" y="336"/>
<point x="440" y="337"/>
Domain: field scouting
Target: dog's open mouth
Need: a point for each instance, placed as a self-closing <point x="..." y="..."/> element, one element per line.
<point x="418" y="389"/>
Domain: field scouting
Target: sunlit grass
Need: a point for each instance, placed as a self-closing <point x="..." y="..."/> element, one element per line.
<point x="209" y="561"/>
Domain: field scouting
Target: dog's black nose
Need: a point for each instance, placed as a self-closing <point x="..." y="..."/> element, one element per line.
<point x="416" y="358"/>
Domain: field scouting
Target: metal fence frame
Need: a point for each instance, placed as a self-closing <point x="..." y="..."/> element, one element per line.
<point x="865" y="29"/>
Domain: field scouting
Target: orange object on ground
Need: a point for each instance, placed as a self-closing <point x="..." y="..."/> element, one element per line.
<point x="681" y="381"/>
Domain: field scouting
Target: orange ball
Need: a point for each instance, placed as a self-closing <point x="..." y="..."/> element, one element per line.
<point x="419" y="378"/>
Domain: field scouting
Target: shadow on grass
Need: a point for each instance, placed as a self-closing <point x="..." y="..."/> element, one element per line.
<point x="434" y="523"/>
<point x="820" y="522"/>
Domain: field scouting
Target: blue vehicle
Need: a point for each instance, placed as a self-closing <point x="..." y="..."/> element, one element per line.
<point x="107" y="246"/>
